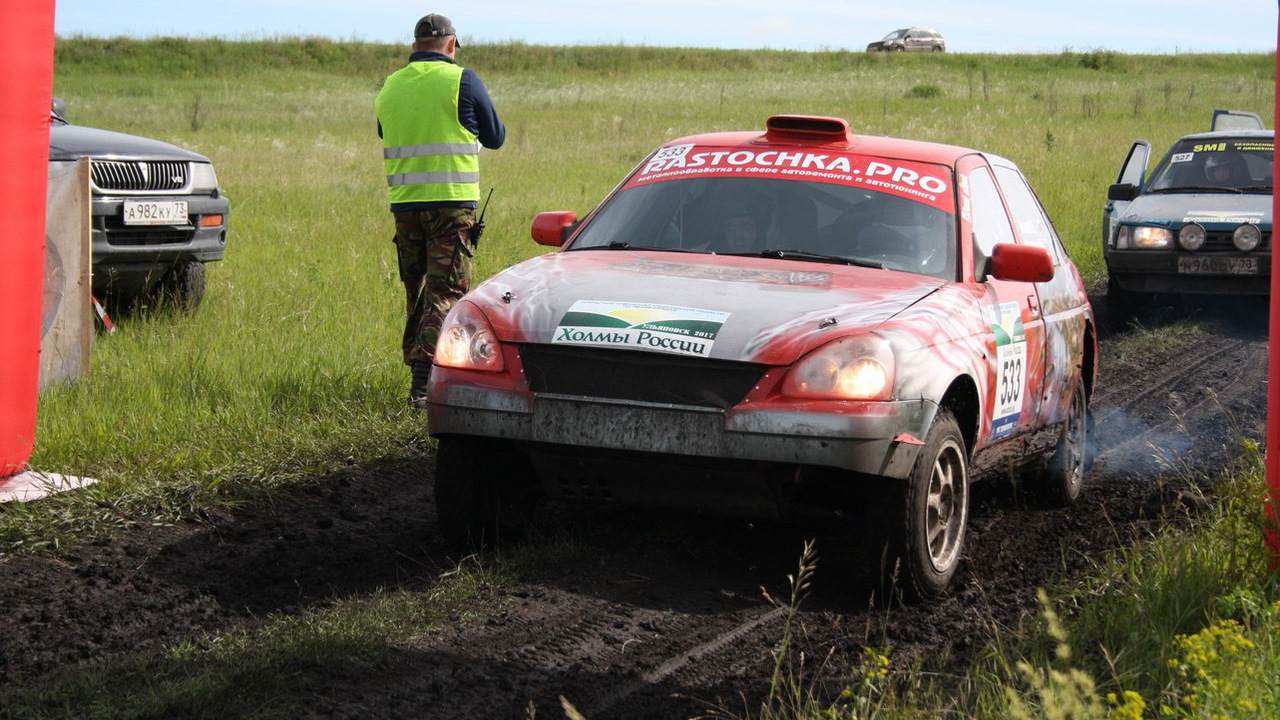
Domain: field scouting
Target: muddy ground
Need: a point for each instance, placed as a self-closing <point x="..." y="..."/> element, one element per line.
<point x="667" y="619"/>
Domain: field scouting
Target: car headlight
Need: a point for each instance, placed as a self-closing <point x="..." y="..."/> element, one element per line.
<point x="467" y="341"/>
<point x="1246" y="237"/>
<point x="203" y="179"/>
<point x="1191" y="236"/>
<point x="853" y="368"/>
<point x="1144" y="238"/>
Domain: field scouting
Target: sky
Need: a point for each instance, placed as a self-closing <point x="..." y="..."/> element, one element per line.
<point x="970" y="26"/>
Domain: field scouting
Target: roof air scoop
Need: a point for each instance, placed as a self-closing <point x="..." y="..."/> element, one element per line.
<point x="809" y="129"/>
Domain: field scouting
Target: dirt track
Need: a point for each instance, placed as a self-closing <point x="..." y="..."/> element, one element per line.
<point x="667" y="619"/>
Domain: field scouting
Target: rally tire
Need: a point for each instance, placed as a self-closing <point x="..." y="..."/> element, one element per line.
<point x="1123" y="306"/>
<point x="926" y="541"/>
<point x="483" y="494"/>
<point x="1061" y="481"/>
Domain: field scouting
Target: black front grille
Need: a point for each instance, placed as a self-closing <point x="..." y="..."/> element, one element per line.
<point x="631" y="375"/>
<point x="140" y="175"/>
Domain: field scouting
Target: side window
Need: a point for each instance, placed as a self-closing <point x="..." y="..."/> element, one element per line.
<point x="990" y="223"/>
<point x="1028" y="215"/>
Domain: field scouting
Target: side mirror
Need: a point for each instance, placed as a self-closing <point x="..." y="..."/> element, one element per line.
<point x="59" y="108"/>
<point x="1122" y="191"/>
<point x="1020" y="263"/>
<point x="554" y="228"/>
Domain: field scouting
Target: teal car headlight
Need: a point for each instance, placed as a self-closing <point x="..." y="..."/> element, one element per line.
<point x="1191" y="236"/>
<point x="1142" y="237"/>
<point x="1246" y="237"/>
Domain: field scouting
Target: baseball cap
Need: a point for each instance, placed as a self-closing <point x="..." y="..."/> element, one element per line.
<point x="434" y="26"/>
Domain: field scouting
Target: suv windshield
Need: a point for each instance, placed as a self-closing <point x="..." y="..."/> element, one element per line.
<point x="1228" y="165"/>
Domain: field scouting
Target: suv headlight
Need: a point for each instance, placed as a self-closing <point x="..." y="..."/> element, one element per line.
<point x="467" y="341"/>
<point x="203" y="179"/>
<point x="853" y="368"/>
<point x="1143" y="238"/>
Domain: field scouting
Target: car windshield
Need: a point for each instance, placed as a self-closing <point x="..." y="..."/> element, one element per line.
<point x="780" y="219"/>
<point x="896" y="34"/>
<point x="1228" y="165"/>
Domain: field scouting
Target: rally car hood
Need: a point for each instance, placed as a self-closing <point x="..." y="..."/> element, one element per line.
<point x="69" y="142"/>
<point x="1204" y="208"/>
<point x="754" y="310"/>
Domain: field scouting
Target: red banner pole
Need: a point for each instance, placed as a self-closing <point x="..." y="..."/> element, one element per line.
<point x="26" y="86"/>
<point x="1271" y="533"/>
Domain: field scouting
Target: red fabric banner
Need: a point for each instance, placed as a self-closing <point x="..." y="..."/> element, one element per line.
<point x="1271" y="533"/>
<point x="26" y="33"/>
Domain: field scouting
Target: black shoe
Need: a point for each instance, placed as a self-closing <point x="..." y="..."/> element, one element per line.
<point x="418" y="385"/>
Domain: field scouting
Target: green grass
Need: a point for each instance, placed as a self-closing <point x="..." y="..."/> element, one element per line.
<point x="291" y="367"/>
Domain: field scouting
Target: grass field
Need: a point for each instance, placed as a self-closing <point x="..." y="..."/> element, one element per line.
<point x="291" y="367"/>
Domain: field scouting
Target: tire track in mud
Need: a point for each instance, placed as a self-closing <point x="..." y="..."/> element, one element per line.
<point x="1143" y="429"/>
<point x="722" y="642"/>
<point x="617" y="657"/>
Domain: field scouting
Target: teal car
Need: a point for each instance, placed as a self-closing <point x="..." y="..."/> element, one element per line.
<point x="1199" y="225"/>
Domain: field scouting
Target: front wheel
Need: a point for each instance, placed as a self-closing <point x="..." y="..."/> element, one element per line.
<point x="933" y="511"/>
<point x="1122" y="306"/>
<point x="484" y="493"/>
<point x="183" y="285"/>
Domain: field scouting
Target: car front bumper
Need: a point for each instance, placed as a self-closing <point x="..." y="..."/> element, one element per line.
<point x="880" y="439"/>
<point x="130" y="259"/>
<point x="1148" y="271"/>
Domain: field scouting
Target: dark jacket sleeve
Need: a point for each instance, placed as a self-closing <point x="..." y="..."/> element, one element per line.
<point x="476" y="111"/>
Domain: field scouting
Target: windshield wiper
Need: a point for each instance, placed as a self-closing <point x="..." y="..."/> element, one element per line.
<point x="624" y="245"/>
<point x="1200" y="188"/>
<point x="1256" y="188"/>
<point x="811" y="257"/>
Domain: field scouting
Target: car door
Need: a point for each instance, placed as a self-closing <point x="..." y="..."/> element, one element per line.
<point x="1236" y="120"/>
<point x="1133" y="173"/>
<point x="1016" y="348"/>
<point x="1062" y="301"/>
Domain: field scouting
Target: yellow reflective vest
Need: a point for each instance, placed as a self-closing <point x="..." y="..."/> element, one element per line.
<point x="429" y="156"/>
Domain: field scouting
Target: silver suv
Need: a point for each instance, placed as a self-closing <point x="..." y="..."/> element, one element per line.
<point x="158" y="213"/>
<point x="914" y="39"/>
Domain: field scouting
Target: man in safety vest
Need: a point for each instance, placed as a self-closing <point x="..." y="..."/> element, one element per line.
<point x="433" y="117"/>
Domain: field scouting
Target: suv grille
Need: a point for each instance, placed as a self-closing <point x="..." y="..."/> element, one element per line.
<point x="140" y="175"/>
<point x="645" y="377"/>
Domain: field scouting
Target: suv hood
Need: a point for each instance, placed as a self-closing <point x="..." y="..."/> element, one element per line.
<point x="69" y="142"/>
<point x="752" y="309"/>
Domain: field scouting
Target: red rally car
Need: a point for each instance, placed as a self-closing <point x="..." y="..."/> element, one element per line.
<point x="800" y="322"/>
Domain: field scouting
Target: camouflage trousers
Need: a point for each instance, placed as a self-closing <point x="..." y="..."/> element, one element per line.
<point x="434" y="250"/>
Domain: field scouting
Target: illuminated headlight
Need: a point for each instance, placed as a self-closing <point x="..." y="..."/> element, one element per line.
<point x="854" y="368"/>
<point x="1246" y="237"/>
<point x="467" y="341"/>
<point x="1144" y="238"/>
<point x="203" y="179"/>
<point x="1191" y="236"/>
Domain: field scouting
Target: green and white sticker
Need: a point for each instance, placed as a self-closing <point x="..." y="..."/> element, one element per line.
<point x="1011" y="368"/>
<point x="641" y="326"/>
